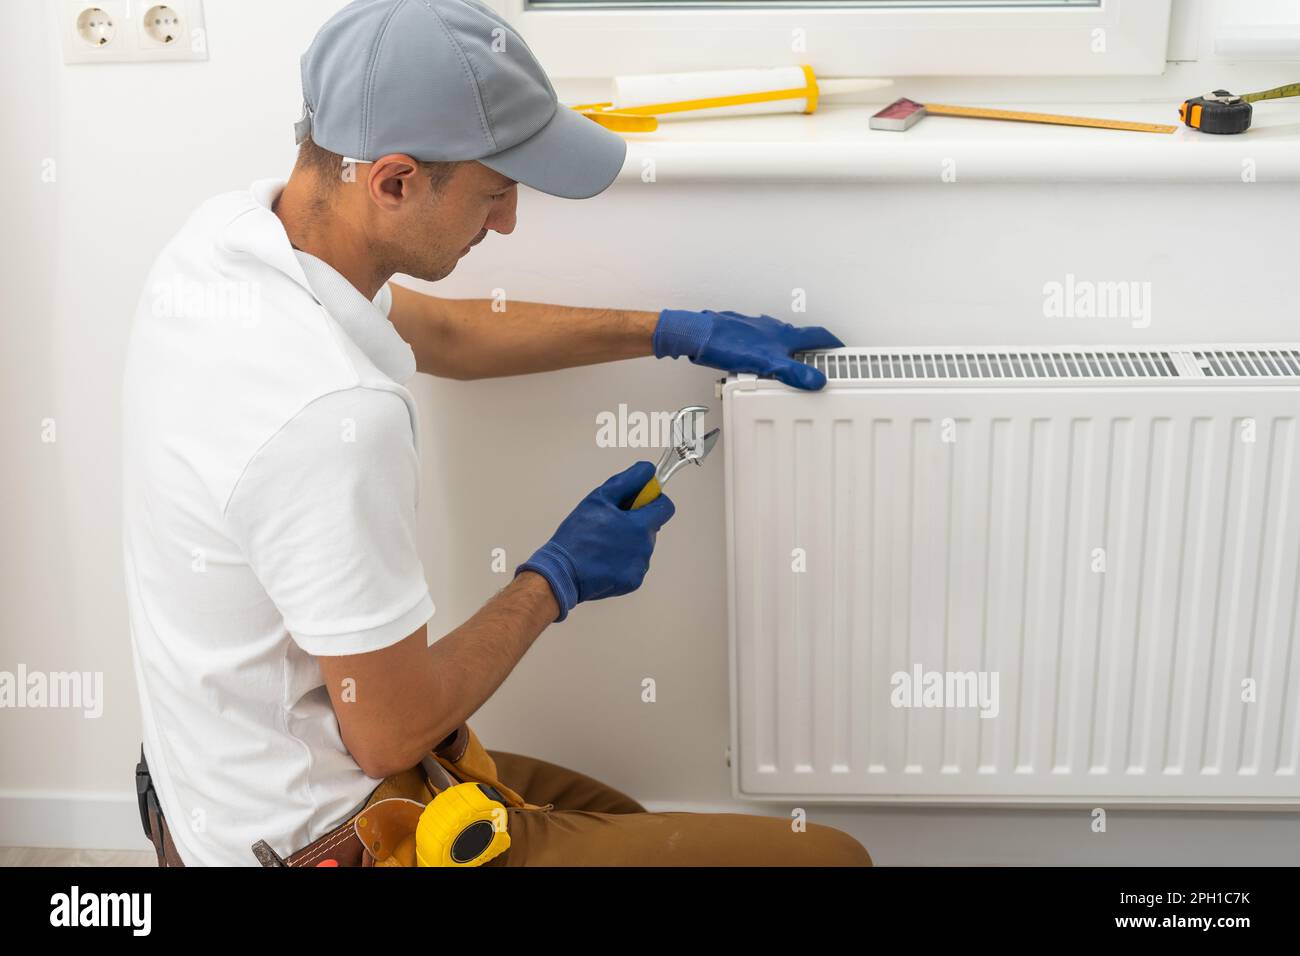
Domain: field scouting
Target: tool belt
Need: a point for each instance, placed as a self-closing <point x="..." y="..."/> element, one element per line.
<point x="460" y="758"/>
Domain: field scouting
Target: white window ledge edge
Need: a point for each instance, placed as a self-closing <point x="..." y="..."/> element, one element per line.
<point x="835" y="145"/>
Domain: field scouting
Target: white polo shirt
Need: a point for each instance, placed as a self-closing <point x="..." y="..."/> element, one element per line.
<point x="271" y="479"/>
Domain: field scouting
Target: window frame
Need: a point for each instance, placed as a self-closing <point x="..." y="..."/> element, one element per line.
<point x="850" y="41"/>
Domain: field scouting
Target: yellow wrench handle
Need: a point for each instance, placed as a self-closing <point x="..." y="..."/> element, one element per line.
<point x="647" y="494"/>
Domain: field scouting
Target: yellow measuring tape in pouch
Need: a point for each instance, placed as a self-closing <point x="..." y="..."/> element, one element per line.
<point x="464" y="825"/>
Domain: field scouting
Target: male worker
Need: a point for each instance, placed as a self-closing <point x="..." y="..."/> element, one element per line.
<point x="278" y="605"/>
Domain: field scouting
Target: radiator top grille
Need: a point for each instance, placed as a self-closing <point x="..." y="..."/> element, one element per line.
<point x="1028" y="365"/>
<point x="1249" y="363"/>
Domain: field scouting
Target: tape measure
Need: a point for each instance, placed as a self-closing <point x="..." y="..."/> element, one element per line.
<point x="1224" y="112"/>
<point x="464" y="825"/>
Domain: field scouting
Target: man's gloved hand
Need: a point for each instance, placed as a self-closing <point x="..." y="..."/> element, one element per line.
<point x="600" y="549"/>
<point x="743" y="343"/>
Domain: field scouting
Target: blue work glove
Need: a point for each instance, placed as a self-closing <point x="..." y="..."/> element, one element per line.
<point x="743" y="343"/>
<point x="601" y="549"/>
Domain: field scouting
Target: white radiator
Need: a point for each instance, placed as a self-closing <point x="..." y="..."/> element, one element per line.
<point x="1098" y="550"/>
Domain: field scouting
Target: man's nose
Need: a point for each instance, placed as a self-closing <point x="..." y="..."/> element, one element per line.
<point x="502" y="219"/>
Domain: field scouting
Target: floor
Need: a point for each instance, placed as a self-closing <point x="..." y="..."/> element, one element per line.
<point x="42" y="856"/>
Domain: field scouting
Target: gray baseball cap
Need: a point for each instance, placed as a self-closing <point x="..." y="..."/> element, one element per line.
<point x="445" y="80"/>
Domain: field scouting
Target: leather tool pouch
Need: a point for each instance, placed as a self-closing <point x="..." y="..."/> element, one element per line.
<point x="460" y="758"/>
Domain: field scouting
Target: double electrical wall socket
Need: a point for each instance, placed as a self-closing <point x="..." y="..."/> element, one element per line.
<point x="132" y="31"/>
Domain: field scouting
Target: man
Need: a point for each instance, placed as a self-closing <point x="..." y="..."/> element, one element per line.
<point x="278" y="605"/>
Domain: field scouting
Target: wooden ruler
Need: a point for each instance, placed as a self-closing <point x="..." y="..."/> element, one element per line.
<point x="979" y="112"/>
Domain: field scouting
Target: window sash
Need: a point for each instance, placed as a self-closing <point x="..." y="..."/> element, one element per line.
<point x="1018" y="39"/>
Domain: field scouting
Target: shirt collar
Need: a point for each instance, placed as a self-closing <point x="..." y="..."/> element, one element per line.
<point x="262" y="234"/>
<point x="364" y="321"/>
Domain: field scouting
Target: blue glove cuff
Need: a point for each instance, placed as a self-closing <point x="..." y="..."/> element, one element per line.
<point x="553" y="563"/>
<point x="680" y="332"/>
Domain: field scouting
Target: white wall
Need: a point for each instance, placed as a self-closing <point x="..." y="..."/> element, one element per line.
<point x="505" y="460"/>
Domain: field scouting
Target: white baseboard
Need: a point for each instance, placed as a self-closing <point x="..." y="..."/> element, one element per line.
<point x="71" y="820"/>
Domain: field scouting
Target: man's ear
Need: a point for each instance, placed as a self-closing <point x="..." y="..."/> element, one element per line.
<point x="391" y="180"/>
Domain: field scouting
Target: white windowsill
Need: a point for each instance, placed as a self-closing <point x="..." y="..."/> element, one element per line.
<point x="835" y="145"/>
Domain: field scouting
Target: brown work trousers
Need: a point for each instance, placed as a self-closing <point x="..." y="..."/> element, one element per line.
<point x="587" y="823"/>
<point x="580" y="821"/>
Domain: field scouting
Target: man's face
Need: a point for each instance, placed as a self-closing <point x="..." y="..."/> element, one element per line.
<point x="436" y="229"/>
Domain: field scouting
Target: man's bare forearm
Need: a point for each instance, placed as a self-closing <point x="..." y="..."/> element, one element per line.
<point x="466" y="339"/>
<point x="468" y="664"/>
